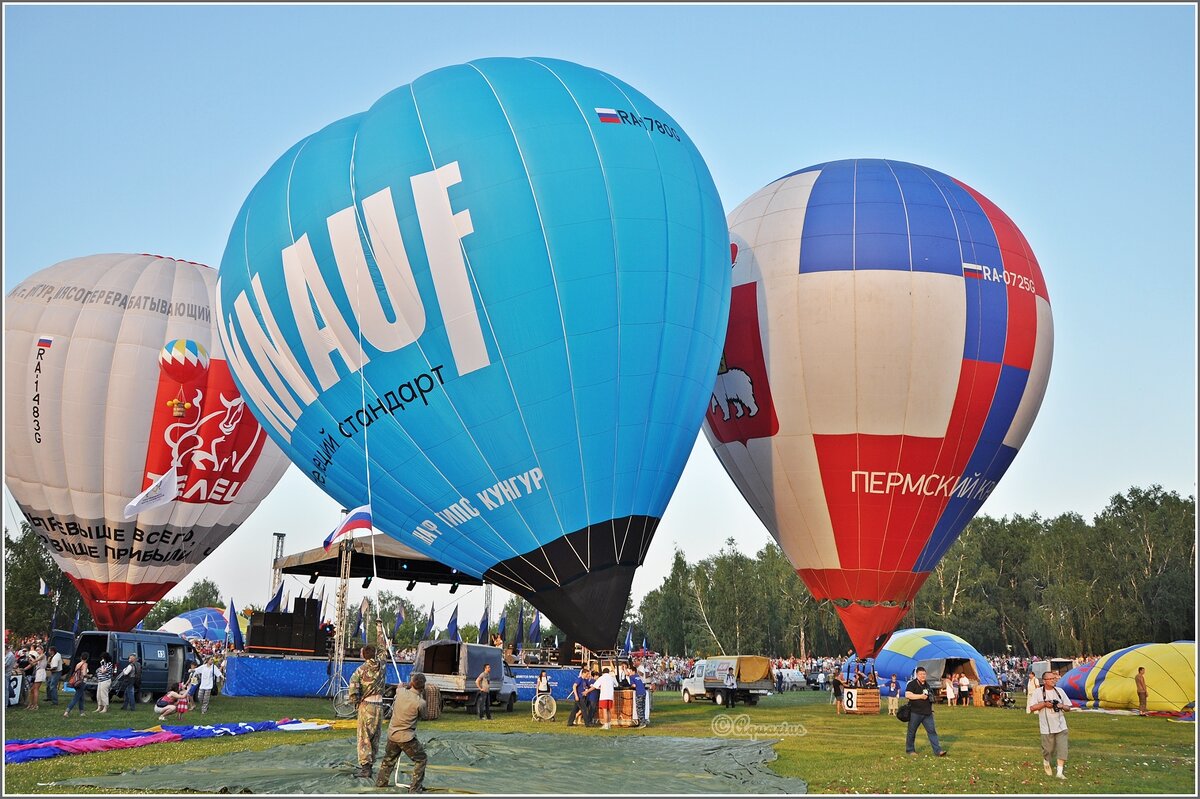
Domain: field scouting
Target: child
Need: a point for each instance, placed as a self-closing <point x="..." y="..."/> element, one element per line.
<point x="171" y="702"/>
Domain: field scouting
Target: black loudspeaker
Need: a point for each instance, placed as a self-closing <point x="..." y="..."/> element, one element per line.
<point x="307" y="608"/>
<point x="310" y="639"/>
<point x="254" y="635"/>
<point x="297" y="639"/>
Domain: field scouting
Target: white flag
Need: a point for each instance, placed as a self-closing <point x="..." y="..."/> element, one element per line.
<point x="160" y="492"/>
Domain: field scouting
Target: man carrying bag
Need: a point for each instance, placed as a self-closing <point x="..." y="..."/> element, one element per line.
<point x="920" y="708"/>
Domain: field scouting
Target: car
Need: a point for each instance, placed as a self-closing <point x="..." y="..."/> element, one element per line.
<point x="813" y="679"/>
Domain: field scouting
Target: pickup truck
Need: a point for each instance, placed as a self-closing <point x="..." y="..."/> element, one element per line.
<point x="751" y="672"/>
<point x="453" y="666"/>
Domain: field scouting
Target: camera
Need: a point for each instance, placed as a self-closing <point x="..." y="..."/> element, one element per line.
<point x="1056" y="705"/>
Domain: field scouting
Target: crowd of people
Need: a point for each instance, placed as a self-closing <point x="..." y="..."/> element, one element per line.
<point x="592" y="692"/>
<point x="43" y="669"/>
<point x="40" y="664"/>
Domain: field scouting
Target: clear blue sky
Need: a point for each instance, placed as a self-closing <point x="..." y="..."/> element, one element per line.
<point x="142" y="128"/>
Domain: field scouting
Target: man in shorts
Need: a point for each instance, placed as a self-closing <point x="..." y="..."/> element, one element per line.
<point x="1142" y="691"/>
<point x="1052" y="705"/>
<point x="606" y="686"/>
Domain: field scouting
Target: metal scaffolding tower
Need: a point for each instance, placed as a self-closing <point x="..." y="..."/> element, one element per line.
<point x="336" y="686"/>
<point x="339" y="649"/>
<point x="487" y="609"/>
<point x="277" y="573"/>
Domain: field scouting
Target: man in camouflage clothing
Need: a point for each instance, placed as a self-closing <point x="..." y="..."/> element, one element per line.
<point x="366" y="692"/>
<point x="407" y="707"/>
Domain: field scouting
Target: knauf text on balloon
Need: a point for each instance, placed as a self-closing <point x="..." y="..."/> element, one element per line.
<point x="288" y="390"/>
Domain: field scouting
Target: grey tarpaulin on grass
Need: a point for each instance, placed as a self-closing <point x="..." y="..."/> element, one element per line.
<point x="476" y="762"/>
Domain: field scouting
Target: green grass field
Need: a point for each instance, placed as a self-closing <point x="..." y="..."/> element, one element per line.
<point x="991" y="750"/>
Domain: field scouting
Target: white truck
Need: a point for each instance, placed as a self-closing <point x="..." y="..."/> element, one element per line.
<point x="752" y="673"/>
<point x="453" y="666"/>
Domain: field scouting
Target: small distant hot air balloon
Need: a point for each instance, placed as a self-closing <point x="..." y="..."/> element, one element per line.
<point x="210" y="624"/>
<point x="122" y="384"/>
<point x="183" y="362"/>
<point x="889" y="344"/>
<point x="503" y="288"/>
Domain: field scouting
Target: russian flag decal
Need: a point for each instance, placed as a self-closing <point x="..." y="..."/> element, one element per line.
<point x="608" y="115"/>
<point x="972" y="270"/>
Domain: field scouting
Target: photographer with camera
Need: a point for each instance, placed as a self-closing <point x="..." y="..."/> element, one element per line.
<point x="1051" y="705"/>
<point x="920" y="705"/>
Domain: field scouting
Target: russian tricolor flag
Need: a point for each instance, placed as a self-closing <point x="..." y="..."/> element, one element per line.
<point x="44" y="342"/>
<point x="357" y="519"/>
<point x="972" y="270"/>
<point x="608" y="115"/>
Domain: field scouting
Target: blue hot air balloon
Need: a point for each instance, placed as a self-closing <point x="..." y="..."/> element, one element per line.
<point x="491" y="306"/>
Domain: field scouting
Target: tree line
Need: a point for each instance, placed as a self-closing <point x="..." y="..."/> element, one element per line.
<point x="1023" y="585"/>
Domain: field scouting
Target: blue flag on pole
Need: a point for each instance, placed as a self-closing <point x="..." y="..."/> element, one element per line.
<point x="628" y="641"/>
<point x="75" y="626"/>
<point x="644" y="647"/>
<point x="43" y="589"/>
<point x="273" y="605"/>
<point x="535" y="628"/>
<point x="520" y="639"/>
<point x="503" y="624"/>
<point x="483" y="627"/>
<point x="234" y="627"/>
<point x="429" y="625"/>
<point x="452" y="626"/>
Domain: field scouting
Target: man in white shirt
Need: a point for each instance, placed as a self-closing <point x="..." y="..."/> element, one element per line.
<point x="53" y="675"/>
<point x="1051" y="704"/>
<point x="208" y="673"/>
<point x="730" y="689"/>
<point x="606" y="685"/>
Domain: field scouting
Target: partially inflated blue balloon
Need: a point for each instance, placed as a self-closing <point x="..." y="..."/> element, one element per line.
<point x="490" y="306"/>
